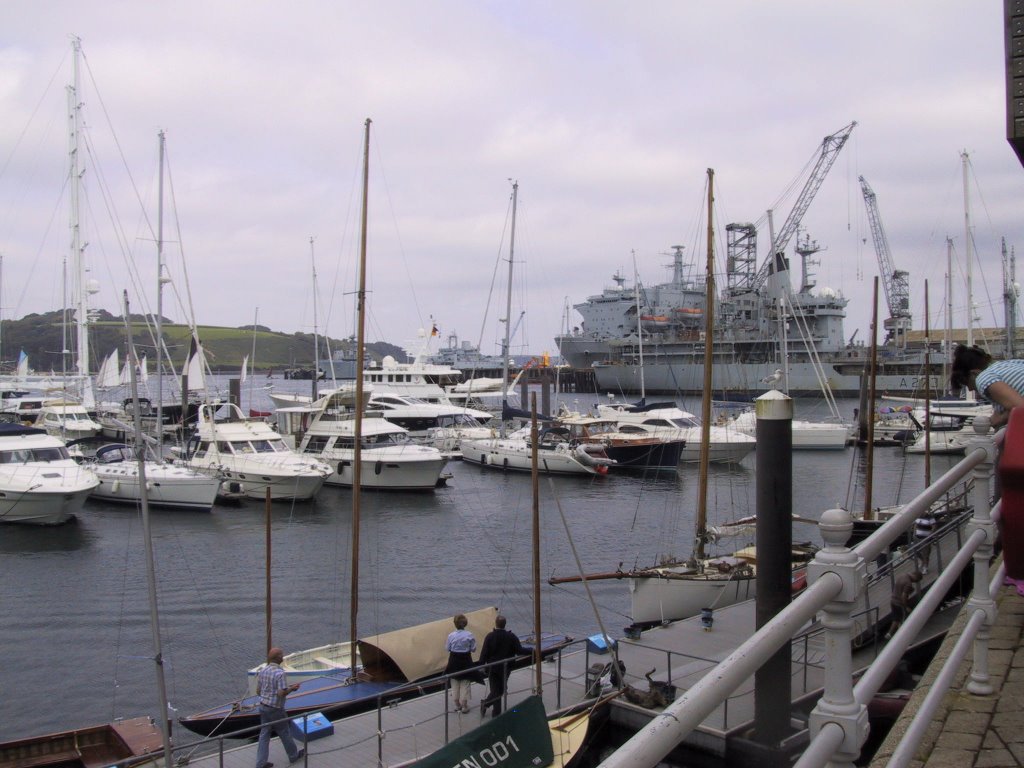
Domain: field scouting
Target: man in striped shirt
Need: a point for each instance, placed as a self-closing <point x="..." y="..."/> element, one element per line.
<point x="272" y="688"/>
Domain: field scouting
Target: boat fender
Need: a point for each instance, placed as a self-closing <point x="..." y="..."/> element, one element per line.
<point x="115" y="486"/>
<point x="378" y="467"/>
<point x="602" y="469"/>
<point x="799" y="581"/>
<point x="504" y="463"/>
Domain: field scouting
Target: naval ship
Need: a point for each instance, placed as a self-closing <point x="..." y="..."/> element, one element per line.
<point x="651" y="340"/>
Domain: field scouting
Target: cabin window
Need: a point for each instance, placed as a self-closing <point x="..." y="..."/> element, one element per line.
<point x="315" y="444"/>
<point x="262" y="446"/>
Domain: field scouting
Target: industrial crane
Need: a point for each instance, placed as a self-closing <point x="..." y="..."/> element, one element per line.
<point x="830" y="147"/>
<point x="894" y="281"/>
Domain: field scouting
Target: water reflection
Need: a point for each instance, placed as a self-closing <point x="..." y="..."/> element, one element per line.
<point x="45" y="539"/>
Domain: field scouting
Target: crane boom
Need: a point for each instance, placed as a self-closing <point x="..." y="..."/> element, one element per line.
<point x="895" y="282"/>
<point x="830" y="147"/>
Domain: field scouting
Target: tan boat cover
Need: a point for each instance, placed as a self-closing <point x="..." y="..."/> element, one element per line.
<point x="407" y="655"/>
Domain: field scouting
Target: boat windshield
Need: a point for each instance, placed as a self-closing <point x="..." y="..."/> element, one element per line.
<point x="25" y="455"/>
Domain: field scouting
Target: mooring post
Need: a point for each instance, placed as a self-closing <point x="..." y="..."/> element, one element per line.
<point x="981" y="498"/>
<point x="774" y="540"/>
<point x="545" y="392"/>
<point x="235" y="392"/>
<point x="837" y="705"/>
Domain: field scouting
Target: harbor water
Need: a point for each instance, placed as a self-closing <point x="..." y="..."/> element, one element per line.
<point x="76" y="639"/>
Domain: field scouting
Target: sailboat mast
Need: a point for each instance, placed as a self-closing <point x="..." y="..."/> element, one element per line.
<point x="705" y="413"/>
<point x="160" y="280"/>
<point x="948" y="340"/>
<point x="872" y="370"/>
<point x="357" y="458"/>
<point x="927" y="392"/>
<point x="535" y="478"/>
<point x="316" y="346"/>
<point x="154" y="617"/>
<point x="506" y="346"/>
<point x="967" y="246"/>
<point x="81" y="299"/>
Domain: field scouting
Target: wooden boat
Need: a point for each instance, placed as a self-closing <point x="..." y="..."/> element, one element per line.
<point x="125" y="742"/>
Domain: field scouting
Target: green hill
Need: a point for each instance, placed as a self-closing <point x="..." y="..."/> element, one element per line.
<point x="42" y="337"/>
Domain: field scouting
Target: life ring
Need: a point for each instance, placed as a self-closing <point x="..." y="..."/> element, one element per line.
<point x="799" y="582"/>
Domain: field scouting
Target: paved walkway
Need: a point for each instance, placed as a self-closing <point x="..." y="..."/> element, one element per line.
<point x="969" y="730"/>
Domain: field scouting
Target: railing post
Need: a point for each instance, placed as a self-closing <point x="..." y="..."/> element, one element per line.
<point x="981" y="600"/>
<point x="837" y="704"/>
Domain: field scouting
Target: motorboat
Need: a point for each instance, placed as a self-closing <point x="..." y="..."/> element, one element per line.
<point x="728" y="445"/>
<point x="251" y="457"/>
<point x="168" y="484"/>
<point x="67" y="420"/>
<point x="557" y="453"/>
<point x="419" y="416"/>
<point x="389" y="460"/>
<point x="807" y="435"/>
<point x="629" y="447"/>
<point x="40" y="484"/>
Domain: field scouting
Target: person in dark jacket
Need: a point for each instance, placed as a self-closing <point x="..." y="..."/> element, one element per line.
<point x="500" y="645"/>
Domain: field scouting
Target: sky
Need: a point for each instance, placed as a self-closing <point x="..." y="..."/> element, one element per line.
<point x="606" y="114"/>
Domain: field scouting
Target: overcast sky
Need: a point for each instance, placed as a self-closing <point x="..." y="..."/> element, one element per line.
<point x="607" y="113"/>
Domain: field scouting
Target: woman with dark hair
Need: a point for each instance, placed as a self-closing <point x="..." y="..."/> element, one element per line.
<point x="1001" y="383"/>
<point x="460" y="646"/>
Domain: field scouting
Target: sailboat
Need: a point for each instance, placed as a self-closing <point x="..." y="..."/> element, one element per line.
<point x="676" y="589"/>
<point x="121" y="472"/>
<point x="558" y="454"/>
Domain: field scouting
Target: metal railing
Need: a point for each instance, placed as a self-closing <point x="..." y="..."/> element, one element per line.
<point x="838" y="582"/>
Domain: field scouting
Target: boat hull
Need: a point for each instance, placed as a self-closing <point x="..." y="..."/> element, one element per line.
<point x="404" y="472"/>
<point x="516" y="455"/>
<point x="656" y="598"/>
<point x="668" y="375"/>
<point x="42" y="507"/>
<point x="167" y="486"/>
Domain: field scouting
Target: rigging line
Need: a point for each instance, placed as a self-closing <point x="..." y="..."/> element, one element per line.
<point x="579" y="569"/>
<point x="125" y="570"/>
<point x="398" y="234"/>
<point x="31" y="119"/>
<point x="494" y="275"/>
<point x="117" y="143"/>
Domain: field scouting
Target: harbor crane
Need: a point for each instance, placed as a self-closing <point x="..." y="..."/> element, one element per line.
<point x="830" y="147"/>
<point x="895" y="282"/>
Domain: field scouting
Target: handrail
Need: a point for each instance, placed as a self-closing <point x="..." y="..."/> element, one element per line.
<point x="838" y="579"/>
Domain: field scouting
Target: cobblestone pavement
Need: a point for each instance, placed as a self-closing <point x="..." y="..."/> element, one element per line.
<point x="970" y="730"/>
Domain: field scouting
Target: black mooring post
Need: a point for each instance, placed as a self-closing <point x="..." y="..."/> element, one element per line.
<point x="772" y="698"/>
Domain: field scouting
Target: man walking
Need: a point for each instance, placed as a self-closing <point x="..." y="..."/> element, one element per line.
<point x="500" y="645"/>
<point x="272" y="688"/>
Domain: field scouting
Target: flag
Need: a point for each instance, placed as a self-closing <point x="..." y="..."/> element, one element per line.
<point x="433" y="331"/>
<point x="245" y="369"/>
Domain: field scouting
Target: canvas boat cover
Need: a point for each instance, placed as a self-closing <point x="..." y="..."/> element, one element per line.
<point x="417" y="652"/>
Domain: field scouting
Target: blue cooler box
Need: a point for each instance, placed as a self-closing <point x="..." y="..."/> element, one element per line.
<point x="600" y="643"/>
<point x="312" y="726"/>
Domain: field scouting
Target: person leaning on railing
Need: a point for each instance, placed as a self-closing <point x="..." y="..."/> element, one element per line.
<point x="1002" y="384"/>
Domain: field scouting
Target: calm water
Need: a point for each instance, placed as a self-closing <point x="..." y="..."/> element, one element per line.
<point x="76" y="643"/>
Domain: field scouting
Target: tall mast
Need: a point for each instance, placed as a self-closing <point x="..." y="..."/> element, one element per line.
<point x="705" y="412"/>
<point x="80" y="293"/>
<point x="948" y="336"/>
<point x="357" y="458"/>
<point x="316" y="346"/>
<point x="160" y="280"/>
<point x="507" y="344"/>
<point x="967" y="245"/>
<point x="154" y="617"/>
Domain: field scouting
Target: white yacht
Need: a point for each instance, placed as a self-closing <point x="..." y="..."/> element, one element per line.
<point x="67" y="420"/>
<point x="251" y="457"/>
<point x="557" y="454"/>
<point x="40" y="484"/>
<point x="728" y="445"/>
<point x="418" y="416"/>
<point x="389" y="460"/>
<point x="168" y="484"/>
<point x="807" y="435"/>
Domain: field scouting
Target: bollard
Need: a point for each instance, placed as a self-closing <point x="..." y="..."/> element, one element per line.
<point x="774" y="540"/>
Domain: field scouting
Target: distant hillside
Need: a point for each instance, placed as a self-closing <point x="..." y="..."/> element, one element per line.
<point x="41" y="337"/>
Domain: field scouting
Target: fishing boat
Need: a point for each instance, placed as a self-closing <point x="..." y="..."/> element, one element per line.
<point x="40" y="484"/>
<point x="251" y="457"/>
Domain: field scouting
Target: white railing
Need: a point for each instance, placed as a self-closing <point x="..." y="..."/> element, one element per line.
<point x="838" y="578"/>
